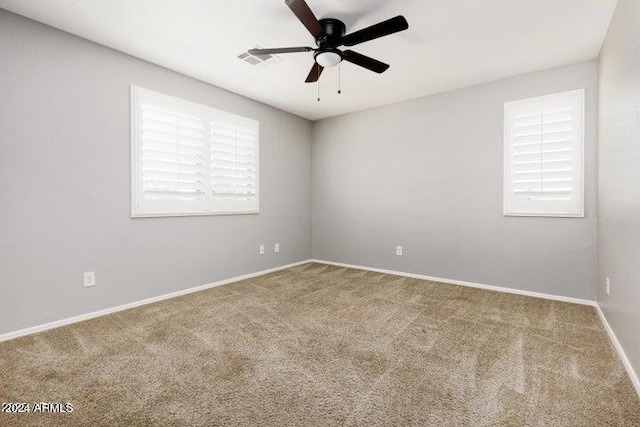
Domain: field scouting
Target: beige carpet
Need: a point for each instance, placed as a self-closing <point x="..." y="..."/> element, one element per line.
<point x="326" y="346"/>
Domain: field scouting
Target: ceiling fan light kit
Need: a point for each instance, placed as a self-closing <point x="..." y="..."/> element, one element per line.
<point x="329" y="35"/>
<point x="328" y="58"/>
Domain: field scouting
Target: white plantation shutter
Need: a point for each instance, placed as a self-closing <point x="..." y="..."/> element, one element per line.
<point x="544" y="144"/>
<point x="233" y="164"/>
<point x="172" y="155"/>
<point x="189" y="159"/>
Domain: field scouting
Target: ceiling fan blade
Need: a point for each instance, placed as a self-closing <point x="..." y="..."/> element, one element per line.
<point x="314" y="74"/>
<point x="258" y="52"/>
<point x="364" y="61"/>
<point x="306" y="16"/>
<point x="381" y="29"/>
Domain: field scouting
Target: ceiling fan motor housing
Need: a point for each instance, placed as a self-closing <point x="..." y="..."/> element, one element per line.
<point x="334" y="30"/>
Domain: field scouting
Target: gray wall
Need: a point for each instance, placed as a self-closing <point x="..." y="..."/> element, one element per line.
<point x="619" y="178"/>
<point x="65" y="184"/>
<point x="427" y="175"/>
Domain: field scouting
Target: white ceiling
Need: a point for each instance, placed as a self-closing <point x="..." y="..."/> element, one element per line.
<point x="450" y="43"/>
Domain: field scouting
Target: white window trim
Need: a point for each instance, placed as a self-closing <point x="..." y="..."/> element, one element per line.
<point x="507" y="196"/>
<point x="135" y="158"/>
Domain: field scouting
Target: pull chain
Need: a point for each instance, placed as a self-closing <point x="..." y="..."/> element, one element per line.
<point x="318" y="80"/>
<point x="339" y="90"/>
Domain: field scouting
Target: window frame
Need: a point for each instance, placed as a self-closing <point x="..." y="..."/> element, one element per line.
<point x="206" y="207"/>
<point x="542" y="208"/>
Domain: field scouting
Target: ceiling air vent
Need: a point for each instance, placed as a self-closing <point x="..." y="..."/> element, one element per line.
<point x="258" y="59"/>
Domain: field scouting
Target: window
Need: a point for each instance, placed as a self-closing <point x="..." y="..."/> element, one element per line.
<point x="543" y="152"/>
<point x="189" y="159"/>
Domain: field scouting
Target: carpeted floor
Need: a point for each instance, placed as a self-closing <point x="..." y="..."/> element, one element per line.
<point x="318" y="345"/>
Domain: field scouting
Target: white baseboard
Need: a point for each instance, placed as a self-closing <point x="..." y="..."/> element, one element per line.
<point x="87" y="316"/>
<point x="623" y="356"/>
<point x="462" y="283"/>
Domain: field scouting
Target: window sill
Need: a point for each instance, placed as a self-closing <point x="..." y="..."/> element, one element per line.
<point x="162" y="215"/>
<point x="579" y="215"/>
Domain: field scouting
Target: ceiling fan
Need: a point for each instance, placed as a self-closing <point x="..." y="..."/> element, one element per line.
<point x="329" y="34"/>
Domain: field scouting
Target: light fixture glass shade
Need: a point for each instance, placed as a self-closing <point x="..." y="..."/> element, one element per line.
<point x="328" y="59"/>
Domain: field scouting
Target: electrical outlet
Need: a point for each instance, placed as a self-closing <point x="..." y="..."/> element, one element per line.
<point x="607" y="286"/>
<point x="261" y="250"/>
<point x="89" y="279"/>
<point x="276" y="248"/>
<point x="399" y="250"/>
